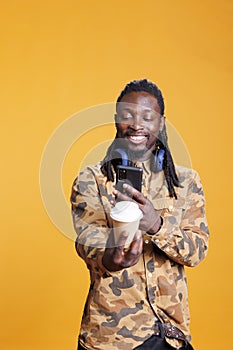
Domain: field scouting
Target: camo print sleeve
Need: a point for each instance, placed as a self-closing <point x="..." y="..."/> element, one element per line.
<point x="89" y="219"/>
<point x="184" y="233"/>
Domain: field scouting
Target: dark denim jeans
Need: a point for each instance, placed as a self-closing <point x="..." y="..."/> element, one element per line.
<point x="154" y="343"/>
<point x="157" y="343"/>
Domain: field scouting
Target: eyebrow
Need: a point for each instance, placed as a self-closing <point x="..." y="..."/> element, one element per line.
<point x="147" y="109"/>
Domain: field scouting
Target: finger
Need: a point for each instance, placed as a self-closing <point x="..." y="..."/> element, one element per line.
<point x="136" y="245"/>
<point x="121" y="196"/>
<point x="129" y="256"/>
<point x="113" y="202"/>
<point x="120" y="243"/>
<point x="137" y="195"/>
<point x="134" y="250"/>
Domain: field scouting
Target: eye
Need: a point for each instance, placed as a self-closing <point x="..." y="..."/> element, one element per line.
<point x="150" y="116"/>
<point x="147" y="118"/>
<point x="126" y="116"/>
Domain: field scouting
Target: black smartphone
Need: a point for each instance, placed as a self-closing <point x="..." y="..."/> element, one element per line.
<point x="130" y="175"/>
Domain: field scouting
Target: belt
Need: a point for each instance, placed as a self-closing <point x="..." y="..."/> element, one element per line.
<point x="169" y="331"/>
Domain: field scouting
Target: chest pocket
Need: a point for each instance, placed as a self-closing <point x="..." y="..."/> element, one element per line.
<point x="170" y="208"/>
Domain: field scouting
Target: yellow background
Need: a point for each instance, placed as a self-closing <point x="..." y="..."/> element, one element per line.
<point x="59" y="57"/>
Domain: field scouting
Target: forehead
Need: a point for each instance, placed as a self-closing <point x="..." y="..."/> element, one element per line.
<point x="138" y="100"/>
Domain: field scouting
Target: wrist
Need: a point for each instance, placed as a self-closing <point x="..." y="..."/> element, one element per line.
<point x="156" y="227"/>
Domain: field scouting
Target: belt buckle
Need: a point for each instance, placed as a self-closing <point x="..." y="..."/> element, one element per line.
<point x="169" y="331"/>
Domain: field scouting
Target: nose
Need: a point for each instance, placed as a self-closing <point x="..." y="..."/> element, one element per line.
<point x="136" y="123"/>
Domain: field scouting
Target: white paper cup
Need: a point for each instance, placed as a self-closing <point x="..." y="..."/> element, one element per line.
<point x="126" y="216"/>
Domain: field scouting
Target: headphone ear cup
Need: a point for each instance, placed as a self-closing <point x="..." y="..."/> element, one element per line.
<point x="120" y="153"/>
<point x="159" y="159"/>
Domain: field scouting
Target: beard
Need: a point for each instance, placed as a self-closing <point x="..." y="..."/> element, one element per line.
<point x="136" y="155"/>
<point x="133" y="155"/>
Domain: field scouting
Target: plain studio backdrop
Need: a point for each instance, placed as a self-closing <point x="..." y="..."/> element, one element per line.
<point x="62" y="57"/>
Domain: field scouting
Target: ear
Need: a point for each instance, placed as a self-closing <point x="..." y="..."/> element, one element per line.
<point x="162" y="122"/>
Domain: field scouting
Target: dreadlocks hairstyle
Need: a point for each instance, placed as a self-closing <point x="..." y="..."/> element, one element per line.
<point x="110" y="161"/>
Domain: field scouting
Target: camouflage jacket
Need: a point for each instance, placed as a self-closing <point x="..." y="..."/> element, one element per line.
<point x="122" y="306"/>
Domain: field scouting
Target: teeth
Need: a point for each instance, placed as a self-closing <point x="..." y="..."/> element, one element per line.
<point x="137" y="138"/>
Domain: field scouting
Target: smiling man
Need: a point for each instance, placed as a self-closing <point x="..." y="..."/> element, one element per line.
<point x="138" y="296"/>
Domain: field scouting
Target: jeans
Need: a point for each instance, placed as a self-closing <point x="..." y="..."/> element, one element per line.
<point x="157" y="343"/>
<point x="154" y="343"/>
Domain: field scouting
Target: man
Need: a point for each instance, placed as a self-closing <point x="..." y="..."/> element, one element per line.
<point x="138" y="296"/>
